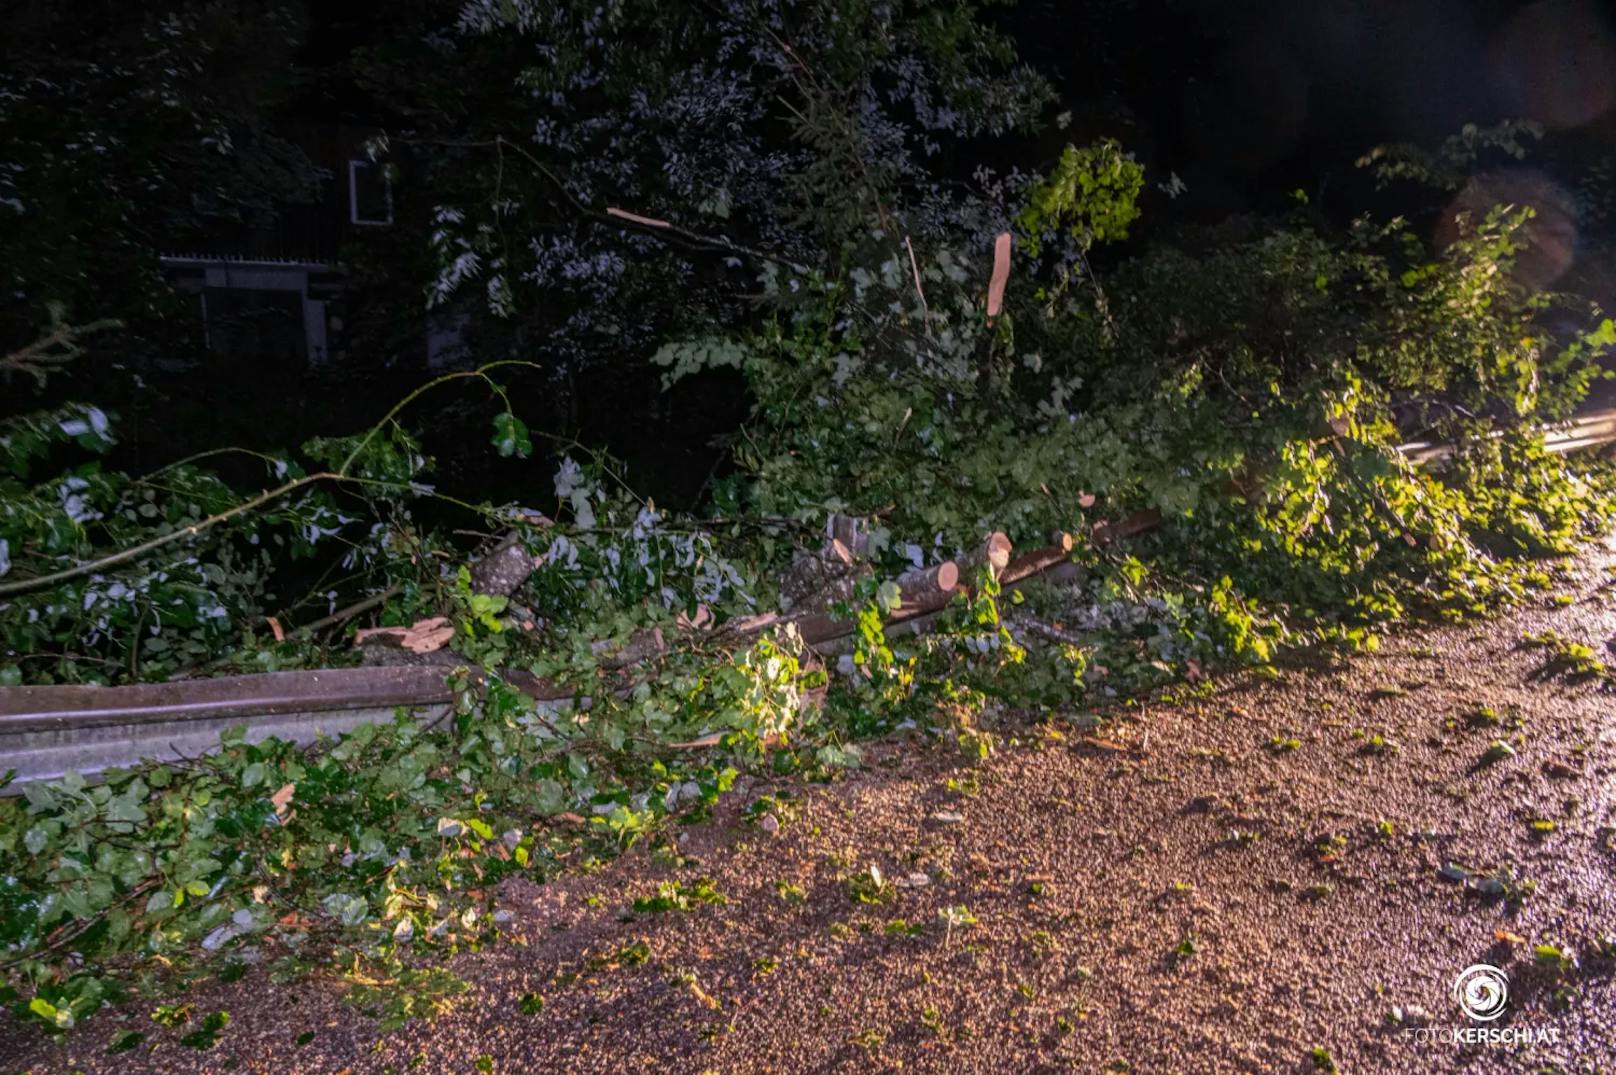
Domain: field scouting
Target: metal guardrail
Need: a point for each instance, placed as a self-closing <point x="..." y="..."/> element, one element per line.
<point x="1590" y="430"/>
<point x="45" y="731"/>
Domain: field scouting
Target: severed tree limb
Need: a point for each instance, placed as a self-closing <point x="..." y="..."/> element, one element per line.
<point x="1106" y="533"/>
<point x="1047" y="631"/>
<point x="502" y="570"/>
<point x="922" y="591"/>
<point x="641" y="646"/>
<point x="342" y="615"/>
<point x="53" y="350"/>
<point x="1037" y="561"/>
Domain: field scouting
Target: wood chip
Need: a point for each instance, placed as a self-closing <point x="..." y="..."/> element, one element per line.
<point x="282" y="798"/>
<point x="701" y="621"/>
<point x="428" y="636"/>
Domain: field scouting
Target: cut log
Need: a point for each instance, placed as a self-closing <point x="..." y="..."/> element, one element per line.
<point x="1105" y="533"/>
<point x="503" y="569"/>
<point x="852" y="531"/>
<point x="641" y="646"/>
<point x="993" y="553"/>
<point x="929" y="587"/>
<point x="819" y="579"/>
<point x="1037" y="561"/>
<point x="921" y="591"/>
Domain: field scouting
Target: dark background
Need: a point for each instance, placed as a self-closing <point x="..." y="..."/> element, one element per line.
<point x="1245" y="101"/>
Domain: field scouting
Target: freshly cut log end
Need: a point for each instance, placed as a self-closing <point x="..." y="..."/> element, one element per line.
<point x="928" y="588"/>
<point x="993" y="553"/>
<point x="996" y="551"/>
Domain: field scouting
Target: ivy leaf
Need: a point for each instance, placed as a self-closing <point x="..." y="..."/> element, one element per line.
<point x="510" y="436"/>
<point x="125" y="809"/>
<point x="552" y="799"/>
<point x="40" y="796"/>
<point x="35" y="839"/>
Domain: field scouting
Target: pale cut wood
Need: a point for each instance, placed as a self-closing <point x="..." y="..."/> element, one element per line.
<point x="636" y="218"/>
<point x="993" y="553"/>
<point x="1001" y="275"/>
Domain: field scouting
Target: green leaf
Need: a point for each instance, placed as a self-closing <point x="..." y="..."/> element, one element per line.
<point x="207" y="1035"/>
<point x="126" y="1041"/>
<point x="552" y="797"/>
<point x="125" y="809"/>
<point x="511" y="436"/>
<point x="35" y="839"/>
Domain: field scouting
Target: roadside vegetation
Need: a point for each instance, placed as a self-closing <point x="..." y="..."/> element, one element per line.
<point x="1238" y="392"/>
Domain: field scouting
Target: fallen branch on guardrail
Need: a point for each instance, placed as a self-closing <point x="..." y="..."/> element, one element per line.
<point x="29" y="715"/>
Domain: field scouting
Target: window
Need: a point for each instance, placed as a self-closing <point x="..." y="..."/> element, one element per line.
<point x="370" y="193"/>
<point x="253" y="325"/>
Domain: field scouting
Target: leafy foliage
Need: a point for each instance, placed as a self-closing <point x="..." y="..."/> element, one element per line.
<point x="1247" y="386"/>
<point x="782" y="126"/>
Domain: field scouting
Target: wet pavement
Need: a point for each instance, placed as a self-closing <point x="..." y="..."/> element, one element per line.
<point x="1274" y="876"/>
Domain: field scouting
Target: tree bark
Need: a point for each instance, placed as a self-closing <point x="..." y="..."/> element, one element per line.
<point x="503" y="569"/>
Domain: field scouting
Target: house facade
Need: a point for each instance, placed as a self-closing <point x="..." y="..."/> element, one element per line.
<point x="264" y="291"/>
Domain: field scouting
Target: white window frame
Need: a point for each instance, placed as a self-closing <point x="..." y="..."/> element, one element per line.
<point x="353" y="194"/>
